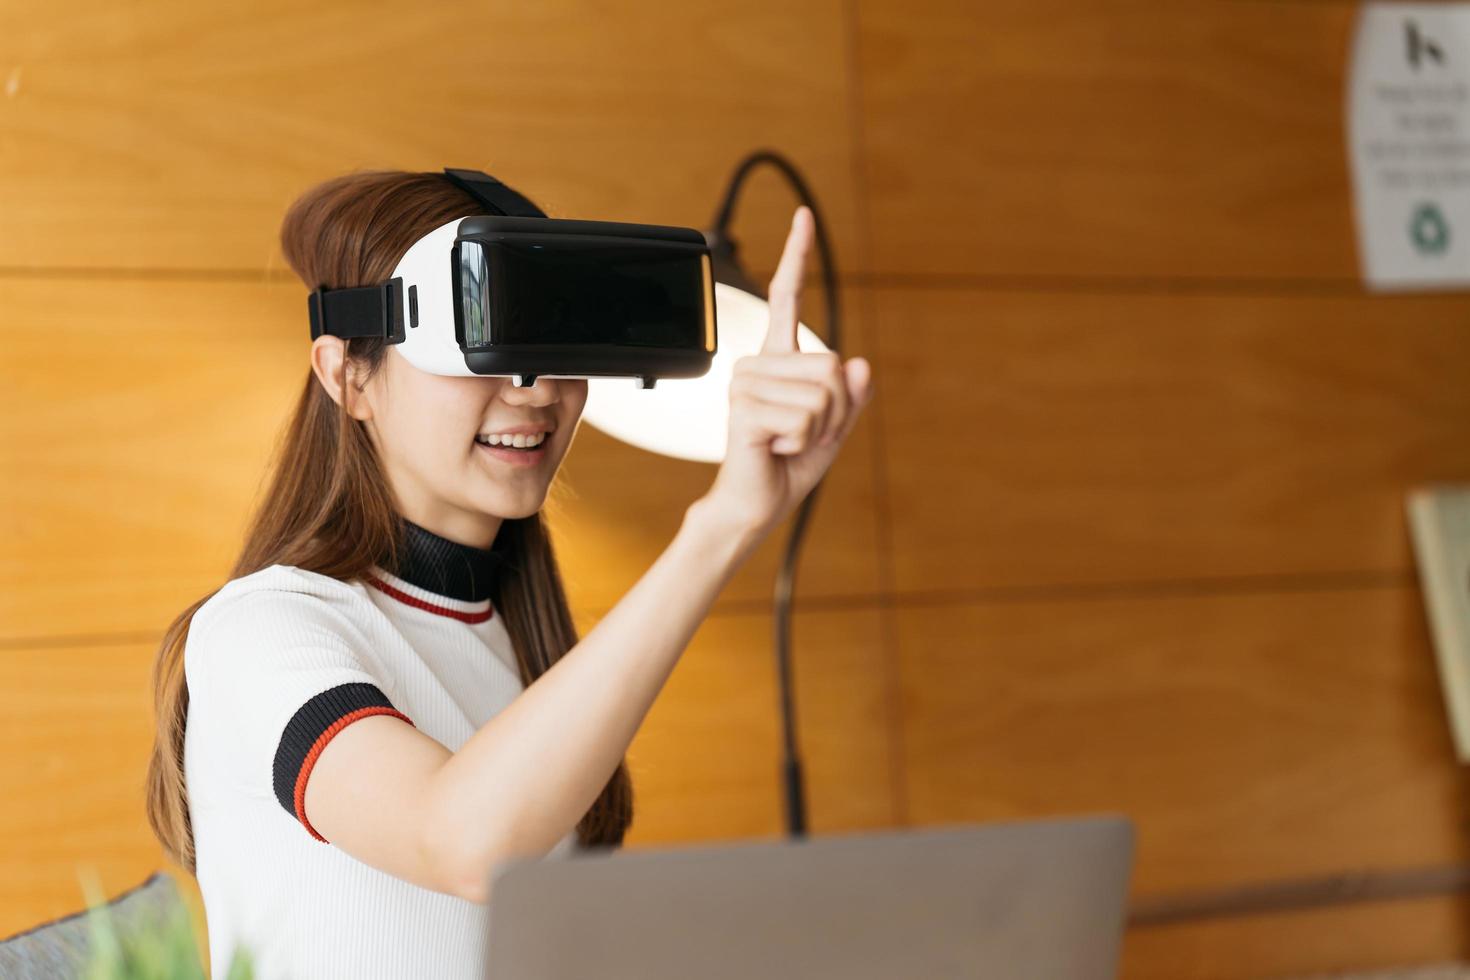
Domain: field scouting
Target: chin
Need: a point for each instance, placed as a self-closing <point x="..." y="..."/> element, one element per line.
<point x="512" y="508"/>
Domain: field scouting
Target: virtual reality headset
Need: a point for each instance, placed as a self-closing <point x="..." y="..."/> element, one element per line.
<point x="513" y="292"/>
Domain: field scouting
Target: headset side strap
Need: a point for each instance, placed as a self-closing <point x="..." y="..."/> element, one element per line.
<point x="359" y="311"/>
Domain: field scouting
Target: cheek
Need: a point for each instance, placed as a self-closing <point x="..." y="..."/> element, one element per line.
<point x="429" y="447"/>
<point x="444" y="462"/>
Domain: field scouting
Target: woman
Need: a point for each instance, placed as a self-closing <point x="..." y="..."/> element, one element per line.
<point x="349" y="738"/>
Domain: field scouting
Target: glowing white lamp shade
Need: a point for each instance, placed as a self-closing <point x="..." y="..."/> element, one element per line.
<point x="689" y="418"/>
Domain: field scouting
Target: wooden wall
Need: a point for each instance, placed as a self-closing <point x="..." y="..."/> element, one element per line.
<point x="1122" y="530"/>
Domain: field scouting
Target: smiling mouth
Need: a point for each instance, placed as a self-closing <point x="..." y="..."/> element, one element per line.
<point x="512" y="448"/>
<point x="511" y="456"/>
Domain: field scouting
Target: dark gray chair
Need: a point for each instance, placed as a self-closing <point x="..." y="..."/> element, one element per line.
<point x="59" y="949"/>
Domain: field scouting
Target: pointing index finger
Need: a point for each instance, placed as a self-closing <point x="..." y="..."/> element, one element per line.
<point x="785" y="288"/>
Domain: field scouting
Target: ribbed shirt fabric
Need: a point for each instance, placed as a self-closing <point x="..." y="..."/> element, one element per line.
<point x="277" y="663"/>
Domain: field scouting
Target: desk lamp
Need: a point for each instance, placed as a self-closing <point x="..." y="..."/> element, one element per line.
<point x="688" y="418"/>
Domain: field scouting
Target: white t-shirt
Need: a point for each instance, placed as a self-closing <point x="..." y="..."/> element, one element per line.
<point x="277" y="662"/>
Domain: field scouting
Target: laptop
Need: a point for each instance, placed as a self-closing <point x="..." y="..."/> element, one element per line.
<point x="1039" y="900"/>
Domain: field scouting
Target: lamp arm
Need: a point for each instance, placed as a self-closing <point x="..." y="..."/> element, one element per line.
<point x="793" y="782"/>
<point x="721" y="227"/>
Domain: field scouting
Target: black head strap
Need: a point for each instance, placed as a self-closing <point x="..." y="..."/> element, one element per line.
<point x="495" y="196"/>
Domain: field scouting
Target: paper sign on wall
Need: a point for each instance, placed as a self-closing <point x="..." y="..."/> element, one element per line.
<point x="1408" y="125"/>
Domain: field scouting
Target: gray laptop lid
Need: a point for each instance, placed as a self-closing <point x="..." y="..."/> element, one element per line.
<point x="1040" y="900"/>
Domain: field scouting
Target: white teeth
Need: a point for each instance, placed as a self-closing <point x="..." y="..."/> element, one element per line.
<point x="517" y="441"/>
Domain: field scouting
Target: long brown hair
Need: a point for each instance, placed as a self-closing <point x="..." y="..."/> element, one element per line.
<point x="328" y="508"/>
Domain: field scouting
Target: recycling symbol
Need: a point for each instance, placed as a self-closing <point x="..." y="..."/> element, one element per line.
<point x="1428" y="229"/>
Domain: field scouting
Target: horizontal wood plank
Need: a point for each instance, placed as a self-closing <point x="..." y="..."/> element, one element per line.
<point x="1049" y="138"/>
<point x="1044" y="440"/>
<point x="1249" y="737"/>
<point x="174" y="135"/>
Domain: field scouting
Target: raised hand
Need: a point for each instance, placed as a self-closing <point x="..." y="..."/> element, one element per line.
<point x="790" y="410"/>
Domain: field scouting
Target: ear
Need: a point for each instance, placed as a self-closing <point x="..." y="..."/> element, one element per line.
<point x="327" y="356"/>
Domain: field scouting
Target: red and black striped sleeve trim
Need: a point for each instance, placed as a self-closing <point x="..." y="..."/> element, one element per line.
<point x="310" y="729"/>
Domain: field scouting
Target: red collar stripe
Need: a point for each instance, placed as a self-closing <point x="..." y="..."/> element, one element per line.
<point x="406" y="599"/>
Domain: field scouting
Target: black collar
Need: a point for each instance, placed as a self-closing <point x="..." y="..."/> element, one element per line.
<point x="445" y="567"/>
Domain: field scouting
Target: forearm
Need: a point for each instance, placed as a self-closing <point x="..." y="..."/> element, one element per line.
<point x="529" y="774"/>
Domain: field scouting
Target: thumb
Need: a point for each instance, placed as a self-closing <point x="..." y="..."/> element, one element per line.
<point x="859" y="380"/>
